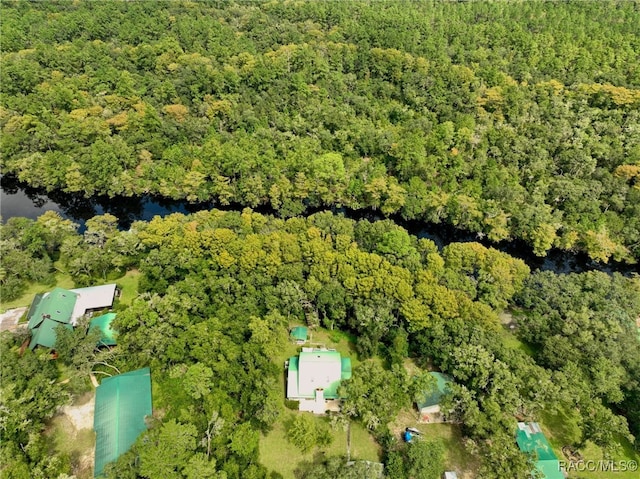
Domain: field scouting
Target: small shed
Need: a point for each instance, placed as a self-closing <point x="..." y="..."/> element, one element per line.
<point x="429" y="403"/>
<point x="450" y="475"/>
<point x="299" y="334"/>
<point x="103" y="323"/>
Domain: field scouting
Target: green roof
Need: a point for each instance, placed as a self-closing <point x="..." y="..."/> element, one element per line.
<point x="45" y="334"/>
<point x="122" y="403"/>
<point x="103" y="323"/>
<point x="531" y="440"/>
<point x="57" y="305"/>
<point x="433" y="396"/>
<point x="299" y="333"/>
<point x="316" y="369"/>
<point x="346" y="369"/>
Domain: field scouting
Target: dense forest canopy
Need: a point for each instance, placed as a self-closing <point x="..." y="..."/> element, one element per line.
<point x="509" y="119"/>
<point x="219" y="290"/>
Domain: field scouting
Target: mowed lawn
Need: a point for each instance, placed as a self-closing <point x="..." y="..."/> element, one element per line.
<point x="279" y="455"/>
<point x="128" y="284"/>
<point x="456" y="457"/>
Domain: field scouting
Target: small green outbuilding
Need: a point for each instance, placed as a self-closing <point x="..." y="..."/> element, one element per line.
<point x="299" y="334"/>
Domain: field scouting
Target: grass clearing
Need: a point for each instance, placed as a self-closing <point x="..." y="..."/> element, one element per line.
<point x="457" y="458"/>
<point x="63" y="280"/>
<point x="128" y="284"/>
<point x="342" y="342"/>
<point x="279" y="455"/>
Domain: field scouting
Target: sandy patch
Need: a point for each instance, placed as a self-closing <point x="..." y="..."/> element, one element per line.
<point x="10" y="318"/>
<point x="81" y="413"/>
<point x="506" y="318"/>
<point x="72" y="433"/>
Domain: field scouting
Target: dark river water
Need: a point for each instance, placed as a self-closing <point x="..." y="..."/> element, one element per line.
<point x="18" y="199"/>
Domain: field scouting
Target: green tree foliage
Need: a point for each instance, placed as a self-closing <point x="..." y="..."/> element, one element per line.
<point x="585" y="324"/>
<point x="422" y="459"/>
<point x="30" y="394"/>
<point x="498" y="118"/>
<point x="374" y="394"/>
<point x="219" y="291"/>
<point x="305" y="432"/>
<point x="28" y="248"/>
<point x="165" y="453"/>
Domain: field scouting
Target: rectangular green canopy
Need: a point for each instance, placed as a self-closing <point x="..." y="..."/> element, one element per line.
<point x="103" y="323"/>
<point x="122" y="403"/>
<point x="433" y="396"/>
<point x="299" y="333"/>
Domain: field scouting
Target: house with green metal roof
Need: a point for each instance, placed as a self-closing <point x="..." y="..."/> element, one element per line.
<point x="45" y="334"/>
<point x="313" y="378"/>
<point x="58" y="306"/>
<point x="46" y="313"/>
<point x="531" y="440"/>
<point x="299" y="334"/>
<point x="429" y="402"/>
<point x="122" y="404"/>
<point x="63" y="306"/>
<point x="103" y="323"/>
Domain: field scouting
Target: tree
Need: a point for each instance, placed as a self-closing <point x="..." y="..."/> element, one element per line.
<point x="166" y="451"/>
<point x="244" y="441"/>
<point x="306" y="432"/>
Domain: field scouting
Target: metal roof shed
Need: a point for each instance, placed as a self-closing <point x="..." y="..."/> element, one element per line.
<point x="531" y="439"/>
<point x="122" y="403"/>
<point x="299" y="334"/>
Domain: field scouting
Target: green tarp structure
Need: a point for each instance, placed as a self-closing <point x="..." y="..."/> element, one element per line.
<point x="316" y="369"/>
<point x="122" y="403"/>
<point x="433" y="397"/>
<point x="57" y="305"/>
<point x="299" y="334"/>
<point x="103" y="323"/>
<point x="531" y="440"/>
<point x="45" y="334"/>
